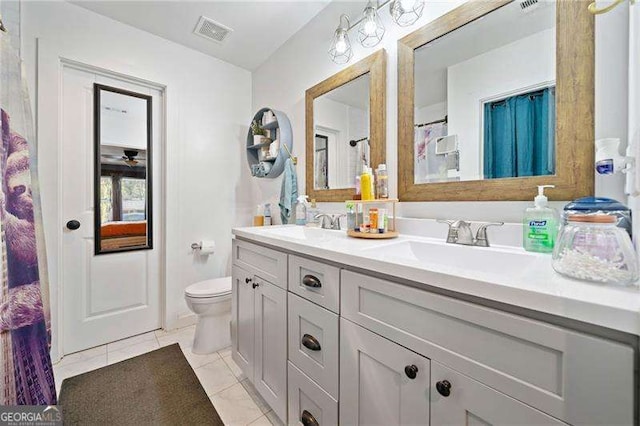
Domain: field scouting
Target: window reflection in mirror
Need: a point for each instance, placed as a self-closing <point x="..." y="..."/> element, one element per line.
<point x="123" y="170"/>
<point x="485" y="98"/>
<point x="341" y="128"/>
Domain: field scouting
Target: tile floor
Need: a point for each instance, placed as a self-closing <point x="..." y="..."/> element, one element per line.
<point x="235" y="399"/>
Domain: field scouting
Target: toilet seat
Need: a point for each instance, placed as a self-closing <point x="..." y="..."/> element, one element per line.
<point x="209" y="288"/>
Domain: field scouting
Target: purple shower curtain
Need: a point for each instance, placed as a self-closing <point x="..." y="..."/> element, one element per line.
<point x="25" y="328"/>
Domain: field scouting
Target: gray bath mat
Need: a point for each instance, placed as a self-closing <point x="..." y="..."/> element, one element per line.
<point x="157" y="388"/>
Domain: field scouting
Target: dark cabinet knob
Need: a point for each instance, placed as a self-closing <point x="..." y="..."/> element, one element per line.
<point x="310" y="342"/>
<point x="444" y="388"/>
<point x="247" y="280"/>
<point x="411" y="371"/>
<point x="307" y="419"/>
<point x="311" y="281"/>
<point x="73" y="225"/>
<point x="254" y="285"/>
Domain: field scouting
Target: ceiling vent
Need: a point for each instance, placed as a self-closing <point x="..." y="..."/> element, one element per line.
<point x="212" y="30"/>
<point x="529" y="5"/>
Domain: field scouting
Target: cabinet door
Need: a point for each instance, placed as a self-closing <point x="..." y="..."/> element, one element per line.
<point x="460" y="400"/>
<point x="270" y="372"/>
<point x="242" y="320"/>
<point x="381" y="383"/>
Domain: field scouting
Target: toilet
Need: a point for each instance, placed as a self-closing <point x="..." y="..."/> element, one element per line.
<point x="210" y="300"/>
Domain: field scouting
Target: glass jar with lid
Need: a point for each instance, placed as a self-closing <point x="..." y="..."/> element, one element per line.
<point x="593" y="248"/>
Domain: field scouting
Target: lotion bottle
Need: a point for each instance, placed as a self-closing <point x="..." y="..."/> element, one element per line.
<point x="366" y="184"/>
<point x="258" y="219"/>
<point x="267" y="214"/>
<point x="540" y="224"/>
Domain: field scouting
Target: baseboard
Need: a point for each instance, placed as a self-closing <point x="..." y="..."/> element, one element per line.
<point x="184" y="321"/>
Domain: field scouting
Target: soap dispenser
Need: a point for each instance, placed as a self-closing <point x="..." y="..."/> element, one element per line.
<point x="301" y="210"/>
<point x="540" y="224"/>
<point x="312" y="212"/>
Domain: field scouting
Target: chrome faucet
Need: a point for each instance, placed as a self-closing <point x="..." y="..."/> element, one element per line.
<point x="329" y="221"/>
<point x="325" y="220"/>
<point x="460" y="233"/>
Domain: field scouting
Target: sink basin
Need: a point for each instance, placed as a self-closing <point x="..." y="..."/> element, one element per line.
<point x="304" y="233"/>
<point x="481" y="259"/>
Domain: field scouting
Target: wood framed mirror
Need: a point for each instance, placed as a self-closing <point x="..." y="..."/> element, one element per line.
<point x="345" y="125"/>
<point x="122" y="170"/>
<point x="477" y="92"/>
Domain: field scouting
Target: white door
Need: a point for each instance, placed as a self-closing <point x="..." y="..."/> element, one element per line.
<point x="110" y="296"/>
<point x="381" y="382"/>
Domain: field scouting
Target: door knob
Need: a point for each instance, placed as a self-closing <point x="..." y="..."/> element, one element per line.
<point x="444" y="388"/>
<point x="248" y="280"/>
<point x="254" y="285"/>
<point x="307" y="419"/>
<point x="73" y="225"/>
<point x="411" y="371"/>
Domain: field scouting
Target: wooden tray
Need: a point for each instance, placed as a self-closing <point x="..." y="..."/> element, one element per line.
<point x="386" y="235"/>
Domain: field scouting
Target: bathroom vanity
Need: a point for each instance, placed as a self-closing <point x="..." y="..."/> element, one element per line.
<point x="414" y="331"/>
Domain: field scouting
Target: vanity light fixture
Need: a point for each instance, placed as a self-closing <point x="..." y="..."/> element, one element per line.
<point x="406" y="12"/>
<point x="371" y="29"/>
<point x="340" y="51"/>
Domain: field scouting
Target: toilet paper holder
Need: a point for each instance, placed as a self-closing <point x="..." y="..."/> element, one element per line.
<point x="196" y="246"/>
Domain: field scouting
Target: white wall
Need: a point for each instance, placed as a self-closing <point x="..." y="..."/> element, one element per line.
<point x="348" y="123"/>
<point x="522" y="64"/>
<point x="302" y="62"/>
<point x="125" y="124"/>
<point x="208" y="103"/>
<point x="430" y="113"/>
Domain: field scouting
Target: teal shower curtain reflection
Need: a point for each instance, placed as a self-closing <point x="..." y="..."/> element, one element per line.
<point x="25" y="328"/>
<point x="519" y="135"/>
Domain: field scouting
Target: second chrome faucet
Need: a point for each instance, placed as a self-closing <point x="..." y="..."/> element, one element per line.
<point x="460" y="233"/>
<point x="329" y="221"/>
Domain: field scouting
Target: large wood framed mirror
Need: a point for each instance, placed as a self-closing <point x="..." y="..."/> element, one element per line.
<point x="345" y="127"/>
<point x="494" y="98"/>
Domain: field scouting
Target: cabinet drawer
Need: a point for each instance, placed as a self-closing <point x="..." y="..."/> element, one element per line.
<point x="464" y="401"/>
<point x="268" y="264"/>
<point x="572" y="376"/>
<point x="315" y="281"/>
<point x="307" y="399"/>
<point x="313" y="342"/>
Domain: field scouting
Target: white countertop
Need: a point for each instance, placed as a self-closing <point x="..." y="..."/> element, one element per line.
<point x="536" y="287"/>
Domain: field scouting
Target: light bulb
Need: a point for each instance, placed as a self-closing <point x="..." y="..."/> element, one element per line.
<point x="370" y="27"/>
<point x="341" y="45"/>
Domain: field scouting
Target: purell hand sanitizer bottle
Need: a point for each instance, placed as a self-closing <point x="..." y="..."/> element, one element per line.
<point x="540" y="224"/>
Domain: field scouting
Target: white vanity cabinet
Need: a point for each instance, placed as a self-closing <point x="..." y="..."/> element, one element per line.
<point x="259" y="321"/>
<point x="325" y="344"/>
<point x="575" y="377"/>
